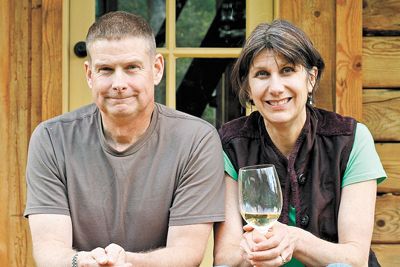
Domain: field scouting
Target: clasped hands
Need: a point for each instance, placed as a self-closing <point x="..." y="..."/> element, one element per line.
<point x="275" y="248"/>
<point x="113" y="255"/>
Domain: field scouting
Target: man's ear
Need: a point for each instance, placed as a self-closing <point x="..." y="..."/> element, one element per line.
<point x="158" y="68"/>
<point x="88" y="73"/>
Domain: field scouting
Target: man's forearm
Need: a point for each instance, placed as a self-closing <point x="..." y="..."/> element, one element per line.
<point x="165" y="257"/>
<point x="230" y="256"/>
<point x="50" y="256"/>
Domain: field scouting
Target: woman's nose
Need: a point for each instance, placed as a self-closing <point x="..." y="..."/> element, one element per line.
<point x="275" y="84"/>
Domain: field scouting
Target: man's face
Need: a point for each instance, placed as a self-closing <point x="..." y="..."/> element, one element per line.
<point x="122" y="75"/>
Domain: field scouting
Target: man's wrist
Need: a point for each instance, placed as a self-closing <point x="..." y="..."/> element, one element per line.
<point x="75" y="260"/>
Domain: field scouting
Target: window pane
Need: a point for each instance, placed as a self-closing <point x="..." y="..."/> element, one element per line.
<point x="152" y="10"/>
<point x="210" y="23"/>
<point x="204" y="90"/>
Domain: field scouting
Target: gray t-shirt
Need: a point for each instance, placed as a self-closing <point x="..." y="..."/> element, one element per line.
<point x="172" y="176"/>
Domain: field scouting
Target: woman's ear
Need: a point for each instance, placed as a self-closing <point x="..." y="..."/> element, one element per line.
<point x="313" y="74"/>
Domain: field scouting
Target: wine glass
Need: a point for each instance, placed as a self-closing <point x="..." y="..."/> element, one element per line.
<point x="260" y="196"/>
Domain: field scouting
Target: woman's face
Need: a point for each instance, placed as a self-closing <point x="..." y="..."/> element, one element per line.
<point x="279" y="89"/>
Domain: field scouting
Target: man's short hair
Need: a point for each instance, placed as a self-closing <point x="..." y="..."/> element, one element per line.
<point x="118" y="25"/>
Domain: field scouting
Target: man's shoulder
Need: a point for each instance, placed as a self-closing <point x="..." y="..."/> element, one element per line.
<point x="176" y="118"/>
<point x="67" y="123"/>
<point x="79" y="114"/>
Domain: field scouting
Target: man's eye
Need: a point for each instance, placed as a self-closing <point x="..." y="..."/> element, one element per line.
<point x="105" y="70"/>
<point x="133" y="67"/>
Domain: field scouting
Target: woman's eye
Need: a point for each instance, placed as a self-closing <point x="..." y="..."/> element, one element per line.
<point x="261" y="73"/>
<point x="287" y="70"/>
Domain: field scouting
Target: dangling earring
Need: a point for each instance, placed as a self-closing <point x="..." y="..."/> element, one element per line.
<point x="310" y="99"/>
<point x="251" y="105"/>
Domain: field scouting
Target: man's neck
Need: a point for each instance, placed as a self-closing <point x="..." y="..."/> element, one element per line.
<point x="121" y="133"/>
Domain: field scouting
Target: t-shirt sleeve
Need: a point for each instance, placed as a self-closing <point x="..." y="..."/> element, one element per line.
<point x="200" y="194"/>
<point x="46" y="192"/>
<point x="229" y="169"/>
<point x="364" y="163"/>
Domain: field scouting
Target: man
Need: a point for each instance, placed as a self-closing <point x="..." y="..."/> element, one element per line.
<point x="124" y="181"/>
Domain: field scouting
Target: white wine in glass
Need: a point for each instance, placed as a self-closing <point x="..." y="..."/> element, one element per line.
<point x="260" y="196"/>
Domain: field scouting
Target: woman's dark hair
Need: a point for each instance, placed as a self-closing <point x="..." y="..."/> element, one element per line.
<point x="284" y="39"/>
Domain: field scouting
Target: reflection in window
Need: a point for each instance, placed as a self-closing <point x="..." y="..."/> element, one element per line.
<point x="210" y="23"/>
<point x="204" y="89"/>
<point x="152" y="10"/>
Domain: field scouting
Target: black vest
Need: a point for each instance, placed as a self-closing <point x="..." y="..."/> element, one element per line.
<point x="312" y="174"/>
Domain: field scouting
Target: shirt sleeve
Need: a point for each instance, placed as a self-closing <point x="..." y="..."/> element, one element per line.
<point x="364" y="163"/>
<point x="229" y="169"/>
<point x="200" y="195"/>
<point x="46" y="191"/>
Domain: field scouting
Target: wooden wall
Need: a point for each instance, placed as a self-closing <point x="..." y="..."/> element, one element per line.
<point x="381" y="113"/>
<point x="360" y="42"/>
<point x="30" y="91"/>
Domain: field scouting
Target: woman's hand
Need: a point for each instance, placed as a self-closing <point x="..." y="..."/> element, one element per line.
<point x="275" y="248"/>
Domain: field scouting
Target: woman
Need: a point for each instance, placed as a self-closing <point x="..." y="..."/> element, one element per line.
<point x="327" y="164"/>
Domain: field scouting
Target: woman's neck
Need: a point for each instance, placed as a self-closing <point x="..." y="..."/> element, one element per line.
<point x="285" y="135"/>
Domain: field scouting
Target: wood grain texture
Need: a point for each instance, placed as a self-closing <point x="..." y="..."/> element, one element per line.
<point x="51" y="58"/>
<point x="348" y="58"/>
<point x="317" y="19"/>
<point x="18" y="135"/>
<point x="381" y="62"/>
<point x="390" y="155"/>
<point x="381" y="15"/>
<point x="381" y="111"/>
<point x="5" y="61"/>
<point x="388" y="255"/>
<point x="387" y="223"/>
<point x="21" y="108"/>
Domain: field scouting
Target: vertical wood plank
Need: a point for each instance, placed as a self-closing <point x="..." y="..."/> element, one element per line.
<point x="317" y="19"/>
<point x="36" y="64"/>
<point x="51" y="58"/>
<point x="348" y="58"/>
<point x="5" y="60"/>
<point x="18" y="135"/>
<point x="22" y="26"/>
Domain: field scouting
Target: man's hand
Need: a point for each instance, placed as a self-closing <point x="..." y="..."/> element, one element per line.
<point x="112" y="255"/>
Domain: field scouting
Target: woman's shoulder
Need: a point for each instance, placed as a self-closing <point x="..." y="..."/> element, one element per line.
<point x="245" y="126"/>
<point x="332" y="123"/>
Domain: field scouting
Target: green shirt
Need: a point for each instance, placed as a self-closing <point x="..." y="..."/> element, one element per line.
<point x="363" y="165"/>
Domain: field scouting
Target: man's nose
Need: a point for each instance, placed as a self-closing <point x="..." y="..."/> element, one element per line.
<point x="119" y="80"/>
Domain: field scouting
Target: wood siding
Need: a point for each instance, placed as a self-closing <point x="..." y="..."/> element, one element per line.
<point x="381" y="113"/>
<point x="381" y="59"/>
<point x="30" y="91"/>
<point x="317" y="19"/>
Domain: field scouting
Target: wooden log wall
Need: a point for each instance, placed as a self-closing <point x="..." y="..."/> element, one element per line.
<point x="362" y="80"/>
<point x="381" y="113"/>
<point x="30" y="91"/>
